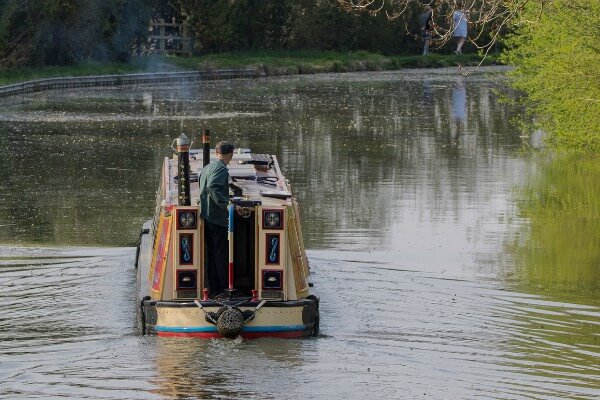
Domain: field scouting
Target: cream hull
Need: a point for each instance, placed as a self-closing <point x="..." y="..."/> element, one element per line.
<point x="276" y="319"/>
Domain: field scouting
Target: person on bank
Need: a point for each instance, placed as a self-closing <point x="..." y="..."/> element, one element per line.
<point x="426" y="24"/>
<point x="459" y="33"/>
<point x="214" y="199"/>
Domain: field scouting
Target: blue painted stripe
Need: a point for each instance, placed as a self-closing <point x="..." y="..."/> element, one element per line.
<point x="231" y="209"/>
<point x="160" y="328"/>
<point x="191" y="329"/>
<point x="275" y="328"/>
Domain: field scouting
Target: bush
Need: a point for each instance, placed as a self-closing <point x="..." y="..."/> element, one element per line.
<point x="557" y="62"/>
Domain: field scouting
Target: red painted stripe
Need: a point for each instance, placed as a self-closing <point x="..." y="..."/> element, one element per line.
<point x="231" y="276"/>
<point x="245" y="335"/>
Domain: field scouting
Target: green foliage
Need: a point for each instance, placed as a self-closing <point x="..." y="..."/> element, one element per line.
<point x="67" y="32"/>
<point x="224" y="25"/>
<point x="557" y="55"/>
<point x="62" y="32"/>
<point x="241" y="25"/>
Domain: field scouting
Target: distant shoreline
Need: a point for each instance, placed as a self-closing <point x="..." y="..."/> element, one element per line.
<point x="45" y="84"/>
<point x="267" y="63"/>
<point x="276" y="63"/>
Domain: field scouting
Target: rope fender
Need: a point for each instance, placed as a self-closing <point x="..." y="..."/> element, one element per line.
<point x="229" y="319"/>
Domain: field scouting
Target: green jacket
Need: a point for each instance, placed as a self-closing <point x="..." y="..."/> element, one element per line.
<point x="214" y="193"/>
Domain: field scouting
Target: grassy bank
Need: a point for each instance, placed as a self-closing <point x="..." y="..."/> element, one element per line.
<point x="146" y="64"/>
<point x="266" y="62"/>
<point x="308" y="62"/>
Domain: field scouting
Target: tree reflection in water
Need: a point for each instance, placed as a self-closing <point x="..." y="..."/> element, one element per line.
<point x="557" y="259"/>
<point x="559" y="254"/>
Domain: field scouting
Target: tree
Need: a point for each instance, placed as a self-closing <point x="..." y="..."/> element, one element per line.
<point x="59" y="32"/>
<point x="556" y="52"/>
<point x="17" y="26"/>
<point x="234" y="25"/>
<point x="487" y="18"/>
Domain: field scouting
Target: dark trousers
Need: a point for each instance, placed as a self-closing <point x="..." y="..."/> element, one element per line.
<point x="217" y="257"/>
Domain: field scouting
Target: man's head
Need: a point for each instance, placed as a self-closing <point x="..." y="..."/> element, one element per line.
<point x="224" y="151"/>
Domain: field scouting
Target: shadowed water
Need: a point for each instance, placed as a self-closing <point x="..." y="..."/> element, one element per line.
<point x="425" y="240"/>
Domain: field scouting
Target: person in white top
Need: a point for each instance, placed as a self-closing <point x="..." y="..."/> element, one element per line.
<point x="459" y="32"/>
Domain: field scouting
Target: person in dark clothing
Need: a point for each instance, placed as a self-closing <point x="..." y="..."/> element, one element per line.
<point x="214" y="199"/>
<point x="426" y="24"/>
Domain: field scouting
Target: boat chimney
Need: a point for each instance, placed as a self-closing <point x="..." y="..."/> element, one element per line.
<point x="205" y="147"/>
<point x="183" y="170"/>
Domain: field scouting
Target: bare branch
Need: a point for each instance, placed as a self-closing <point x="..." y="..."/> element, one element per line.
<point x="487" y="18"/>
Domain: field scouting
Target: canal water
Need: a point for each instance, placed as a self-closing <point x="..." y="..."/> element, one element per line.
<point x="451" y="261"/>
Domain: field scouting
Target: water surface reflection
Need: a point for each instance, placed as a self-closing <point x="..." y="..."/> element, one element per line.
<point x="354" y="146"/>
<point x="557" y="253"/>
<point x="434" y="281"/>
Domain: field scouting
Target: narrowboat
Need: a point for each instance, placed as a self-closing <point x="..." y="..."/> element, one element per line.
<point x="269" y="293"/>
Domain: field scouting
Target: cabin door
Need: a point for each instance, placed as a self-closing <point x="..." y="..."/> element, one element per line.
<point x="244" y="258"/>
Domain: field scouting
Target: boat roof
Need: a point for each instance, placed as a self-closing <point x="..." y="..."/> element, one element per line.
<point x="255" y="177"/>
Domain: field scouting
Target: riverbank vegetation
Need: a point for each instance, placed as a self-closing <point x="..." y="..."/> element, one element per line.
<point x="84" y="69"/>
<point x="68" y="32"/>
<point x="556" y="54"/>
<point x="264" y="62"/>
<point x="307" y="62"/>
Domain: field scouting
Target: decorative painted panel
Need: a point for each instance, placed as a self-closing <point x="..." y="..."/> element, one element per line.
<point x="187" y="279"/>
<point x="160" y="251"/>
<point x="187" y="219"/>
<point x="186" y="248"/>
<point x="273" y="248"/>
<point x="272" y="219"/>
<point x="272" y="279"/>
